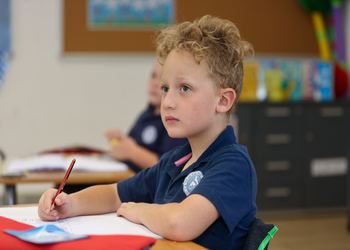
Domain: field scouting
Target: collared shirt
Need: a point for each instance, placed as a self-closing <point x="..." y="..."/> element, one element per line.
<point x="224" y="174"/>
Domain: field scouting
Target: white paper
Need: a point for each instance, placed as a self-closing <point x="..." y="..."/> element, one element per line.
<point x="61" y="162"/>
<point x="105" y="224"/>
<point x="29" y="215"/>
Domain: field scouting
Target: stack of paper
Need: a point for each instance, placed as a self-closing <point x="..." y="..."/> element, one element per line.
<point x="62" y="162"/>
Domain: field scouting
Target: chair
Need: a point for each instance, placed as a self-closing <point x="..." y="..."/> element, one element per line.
<point x="259" y="235"/>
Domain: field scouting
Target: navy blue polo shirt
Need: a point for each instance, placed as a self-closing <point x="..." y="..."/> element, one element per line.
<point x="224" y="174"/>
<point x="149" y="132"/>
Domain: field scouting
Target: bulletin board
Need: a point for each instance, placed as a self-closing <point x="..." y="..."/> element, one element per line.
<point x="272" y="26"/>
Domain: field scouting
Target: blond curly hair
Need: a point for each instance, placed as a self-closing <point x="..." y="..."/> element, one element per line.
<point x="212" y="39"/>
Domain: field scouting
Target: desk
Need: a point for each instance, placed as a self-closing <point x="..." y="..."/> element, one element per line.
<point x="161" y="244"/>
<point x="76" y="177"/>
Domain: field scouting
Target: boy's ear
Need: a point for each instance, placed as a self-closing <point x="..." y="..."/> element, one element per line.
<point x="226" y="101"/>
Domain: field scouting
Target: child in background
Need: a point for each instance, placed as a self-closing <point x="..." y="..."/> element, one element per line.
<point x="205" y="190"/>
<point x="148" y="140"/>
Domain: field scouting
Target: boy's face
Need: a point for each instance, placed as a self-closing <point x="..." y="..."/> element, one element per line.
<point x="153" y="87"/>
<point x="189" y="100"/>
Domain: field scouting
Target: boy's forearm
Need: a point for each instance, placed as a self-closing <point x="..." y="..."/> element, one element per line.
<point x="159" y="218"/>
<point x="95" y="200"/>
<point x="167" y="221"/>
<point x="144" y="158"/>
<point x="182" y="221"/>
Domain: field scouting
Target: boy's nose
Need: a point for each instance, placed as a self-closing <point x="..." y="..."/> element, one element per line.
<point x="168" y="100"/>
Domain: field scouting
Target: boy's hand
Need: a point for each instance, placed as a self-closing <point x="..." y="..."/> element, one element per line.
<point x="131" y="211"/>
<point x="124" y="149"/>
<point x="61" y="209"/>
<point x="113" y="134"/>
<point x="122" y="146"/>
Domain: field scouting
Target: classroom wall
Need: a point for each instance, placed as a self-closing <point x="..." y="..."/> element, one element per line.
<point x="53" y="100"/>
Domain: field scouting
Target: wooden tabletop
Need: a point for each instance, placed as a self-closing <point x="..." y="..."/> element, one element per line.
<point x="162" y="244"/>
<point x="76" y="177"/>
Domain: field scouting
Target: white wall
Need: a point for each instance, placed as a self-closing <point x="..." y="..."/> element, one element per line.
<point x="53" y="100"/>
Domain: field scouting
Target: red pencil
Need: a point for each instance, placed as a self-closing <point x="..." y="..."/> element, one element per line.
<point x="63" y="183"/>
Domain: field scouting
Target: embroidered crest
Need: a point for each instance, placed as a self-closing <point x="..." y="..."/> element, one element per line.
<point x="149" y="134"/>
<point x="191" y="181"/>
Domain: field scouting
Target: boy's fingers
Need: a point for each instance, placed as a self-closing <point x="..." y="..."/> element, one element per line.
<point x="47" y="198"/>
<point x="61" y="198"/>
<point x="47" y="215"/>
<point x="113" y="142"/>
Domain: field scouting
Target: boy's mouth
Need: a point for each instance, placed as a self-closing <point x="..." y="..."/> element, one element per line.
<point x="170" y="119"/>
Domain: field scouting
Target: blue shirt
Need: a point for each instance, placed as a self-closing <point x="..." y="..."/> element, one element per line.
<point x="149" y="132"/>
<point x="224" y="174"/>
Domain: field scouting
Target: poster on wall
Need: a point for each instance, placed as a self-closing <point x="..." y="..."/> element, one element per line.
<point x="130" y="14"/>
<point x="5" y="45"/>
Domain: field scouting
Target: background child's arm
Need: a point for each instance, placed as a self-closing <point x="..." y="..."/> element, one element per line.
<point x="175" y="221"/>
<point x="126" y="149"/>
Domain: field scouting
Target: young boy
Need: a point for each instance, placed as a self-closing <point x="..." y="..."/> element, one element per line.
<point x="204" y="191"/>
<point x="148" y="140"/>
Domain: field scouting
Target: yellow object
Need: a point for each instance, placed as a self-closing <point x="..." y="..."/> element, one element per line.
<point x="273" y="82"/>
<point x="250" y="82"/>
<point x="113" y="142"/>
<point x="321" y="35"/>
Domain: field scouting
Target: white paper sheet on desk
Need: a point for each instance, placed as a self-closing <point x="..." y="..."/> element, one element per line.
<point x="60" y="162"/>
<point x="105" y="224"/>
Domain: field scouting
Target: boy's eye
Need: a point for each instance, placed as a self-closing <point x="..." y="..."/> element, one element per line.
<point x="165" y="89"/>
<point x="185" y="88"/>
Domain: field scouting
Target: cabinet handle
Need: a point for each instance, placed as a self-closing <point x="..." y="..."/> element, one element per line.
<point x="278" y="112"/>
<point x="277" y="139"/>
<point x="331" y="112"/>
<point x="274" y="166"/>
<point x="280" y="192"/>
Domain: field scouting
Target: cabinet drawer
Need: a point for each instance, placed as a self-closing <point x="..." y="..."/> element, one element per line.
<point x="278" y="119"/>
<point x="326" y="131"/>
<point x="280" y="195"/>
<point x="325" y="192"/>
<point x="272" y="145"/>
<point x="287" y="169"/>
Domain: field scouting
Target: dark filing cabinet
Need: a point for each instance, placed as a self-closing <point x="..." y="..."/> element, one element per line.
<point x="299" y="150"/>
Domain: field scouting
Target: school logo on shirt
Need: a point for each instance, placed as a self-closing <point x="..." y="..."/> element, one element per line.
<point x="149" y="134"/>
<point x="191" y="181"/>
